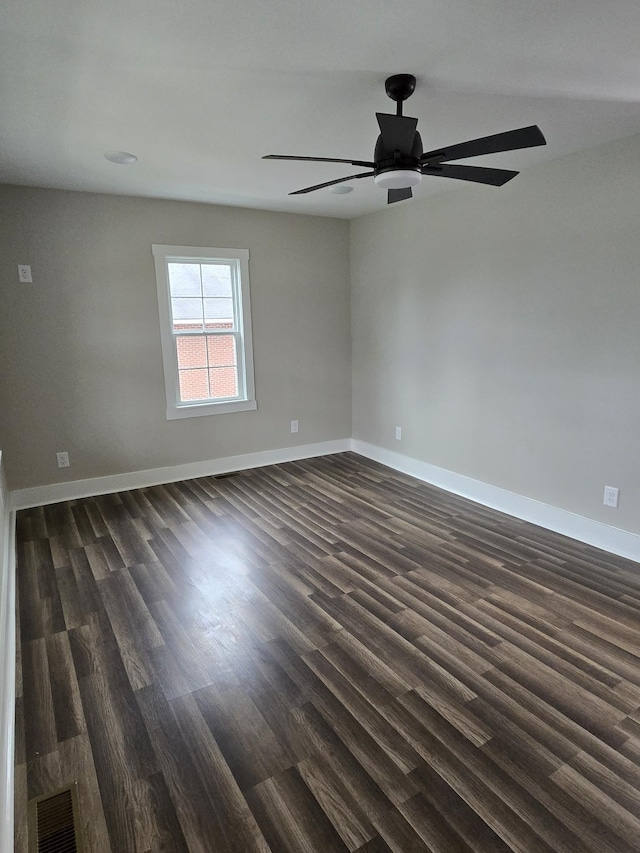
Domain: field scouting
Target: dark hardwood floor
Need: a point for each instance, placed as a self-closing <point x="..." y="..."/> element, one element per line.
<point x="325" y="656"/>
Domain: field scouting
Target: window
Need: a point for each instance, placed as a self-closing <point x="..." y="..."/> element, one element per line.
<point x="205" y="326"/>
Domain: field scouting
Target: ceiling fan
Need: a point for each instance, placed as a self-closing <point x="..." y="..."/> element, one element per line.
<point x="398" y="159"/>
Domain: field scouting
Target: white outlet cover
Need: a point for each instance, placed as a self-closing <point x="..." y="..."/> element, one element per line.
<point x="24" y="274"/>
<point x="63" y="459"/>
<point x="399" y="433"/>
<point x="294" y="426"/>
<point x="611" y="496"/>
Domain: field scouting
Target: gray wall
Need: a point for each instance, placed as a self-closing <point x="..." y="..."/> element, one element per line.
<point x="501" y="329"/>
<point x="80" y="348"/>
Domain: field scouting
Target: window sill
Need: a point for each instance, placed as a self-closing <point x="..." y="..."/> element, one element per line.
<point x="202" y="409"/>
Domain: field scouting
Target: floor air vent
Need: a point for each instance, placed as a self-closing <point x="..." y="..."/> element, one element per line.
<point x="53" y="824"/>
<point x="227" y="475"/>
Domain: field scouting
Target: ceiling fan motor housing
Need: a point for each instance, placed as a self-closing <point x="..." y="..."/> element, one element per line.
<point x="394" y="170"/>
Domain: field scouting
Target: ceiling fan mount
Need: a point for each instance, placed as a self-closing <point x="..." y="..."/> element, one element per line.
<point x="400" y="87"/>
<point x="399" y="162"/>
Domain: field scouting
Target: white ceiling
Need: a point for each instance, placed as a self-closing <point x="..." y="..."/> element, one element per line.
<point x="199" y="90"/>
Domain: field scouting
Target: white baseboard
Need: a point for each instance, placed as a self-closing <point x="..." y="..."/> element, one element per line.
<point x="7" y="674"/>
<point x="595" y="533"/>
<point x="56" y="492"/>
<point x="611" y="539"/>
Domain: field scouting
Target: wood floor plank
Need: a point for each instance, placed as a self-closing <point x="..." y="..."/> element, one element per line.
<point x="38" y="709"/>
<point x="338" y="803"/>
<point x="77" y="765"/>
<point x="236" y="829"/>
<point x="399" y="833"/>
<point x="195" y="812"/>
<point x="501" y="801"/>
<point x="583" y="822"/>
<point x="621" y="821"/>
<point x="325" y="655"/>
<point x="43" y="774"/>
<point x="249" y="746"/>
<point x="65" y="693"/>
<point x="31" y="615"/>
<point x="133" y="626"/>
<point x="291" y="818"/>
<point x="365" y="713"/>
<point x="467" y="824"/>
<point x="21" y="796"/>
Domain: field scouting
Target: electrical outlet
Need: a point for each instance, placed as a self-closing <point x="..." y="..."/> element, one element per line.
<point x="611" y="496"/>
<point x="399" y="433"/>
<point x="63" y="459"/>
<point x="24" y="274"/>
<point x="294" y="426"/>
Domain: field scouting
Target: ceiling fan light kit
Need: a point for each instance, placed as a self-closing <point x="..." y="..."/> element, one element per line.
<point x="399" y="162"/>
<point x="397" y="179"/>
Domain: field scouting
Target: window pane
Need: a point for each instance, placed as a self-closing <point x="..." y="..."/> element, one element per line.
<point x="194" y="384"/>
<point x="206" y="342"/>
<point x="216" y="280"/>
<point x="184" y="279"/>
<point x="223" y="382"/>
<point x="187" y="313"/>
<point x="218" y="313"/>
<point x="222" y="350"/>
<point x="192" y="351"/>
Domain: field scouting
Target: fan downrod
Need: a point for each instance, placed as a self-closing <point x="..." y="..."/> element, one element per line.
<point x="399" y="88"/>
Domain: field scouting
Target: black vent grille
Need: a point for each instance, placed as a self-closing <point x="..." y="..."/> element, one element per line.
<point x="53" y="824"/>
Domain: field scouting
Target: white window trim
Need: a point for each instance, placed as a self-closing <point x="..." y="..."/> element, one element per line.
<point x="175" y="409"/>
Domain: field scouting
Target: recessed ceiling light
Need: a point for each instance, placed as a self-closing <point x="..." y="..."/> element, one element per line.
<point x="341" y="189"/>
<point x="121" y="157"/>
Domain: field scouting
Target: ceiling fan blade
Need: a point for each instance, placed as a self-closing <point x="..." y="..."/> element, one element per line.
<point x="524" y="137"/>
<point x="318" y="160"/>
<point x="398" y="132"/>
<point x="398" y="195"/>
<point x="330" y="183"/>
<point x="478" y="174"/>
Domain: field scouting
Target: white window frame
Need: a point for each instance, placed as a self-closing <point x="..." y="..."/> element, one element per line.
<point x="246" y="400"/>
